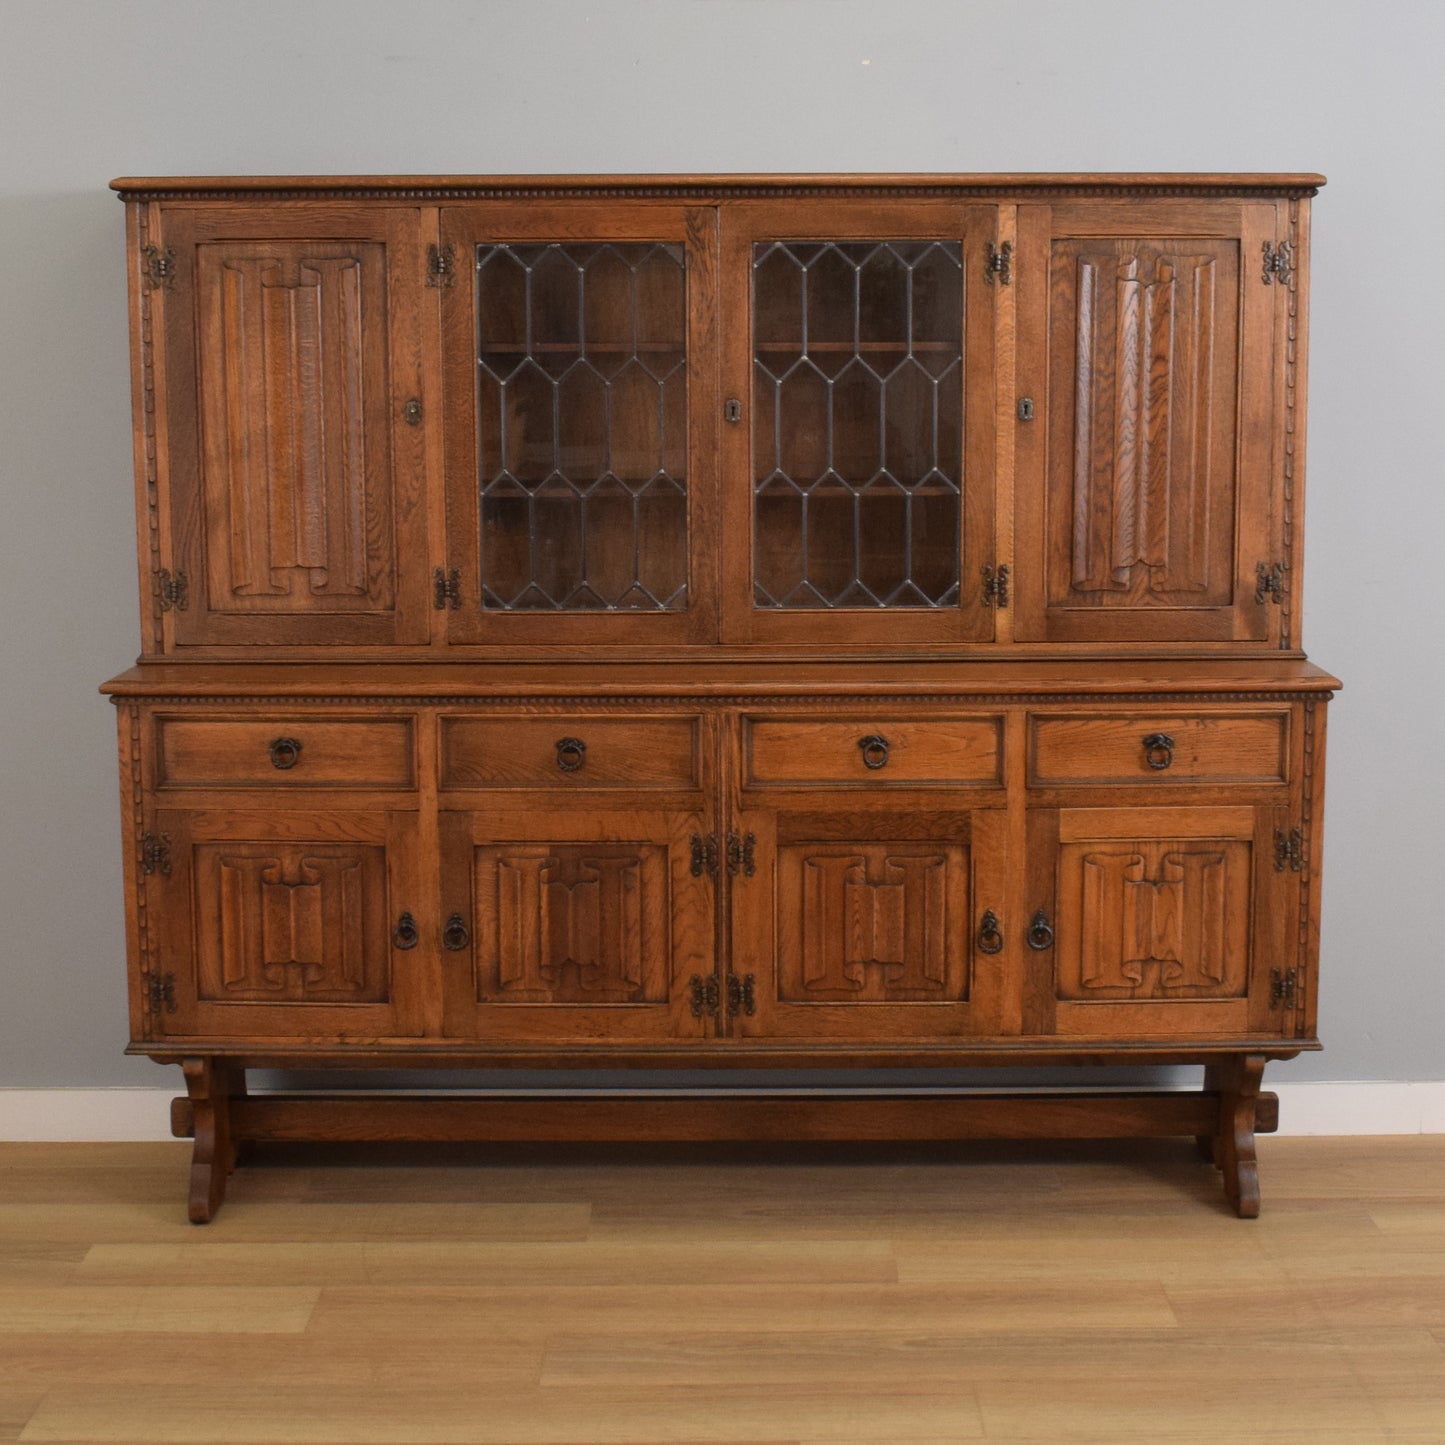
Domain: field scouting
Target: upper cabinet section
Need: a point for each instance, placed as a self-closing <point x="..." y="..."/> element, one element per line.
<point x="491" y="417"/>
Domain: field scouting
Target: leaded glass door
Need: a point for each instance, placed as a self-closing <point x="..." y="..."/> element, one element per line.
<point x="858" y="441"/>
<point x="580" y="378"/>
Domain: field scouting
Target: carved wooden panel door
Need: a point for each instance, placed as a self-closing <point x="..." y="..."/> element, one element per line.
<point x="578" y="926"/>
<point x="868" y="926"/>
<point x="294" y="463"/>
<point x="1156" y="922"/>
<point x="1145" y="495"/>
<point x="282" y="924"/>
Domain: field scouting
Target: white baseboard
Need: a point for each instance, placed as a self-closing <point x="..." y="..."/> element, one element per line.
<point x="122" y="1115"/>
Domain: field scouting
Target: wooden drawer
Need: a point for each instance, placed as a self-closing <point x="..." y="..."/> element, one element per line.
<point x="562" y="751"/>
<point x="285" y="751"/>
<point x="1158" y="747"/>
<point x="874" y="752"/>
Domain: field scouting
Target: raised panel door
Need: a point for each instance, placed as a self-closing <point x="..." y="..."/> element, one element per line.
<point x="296" y="484"/>
<point x="281" y="924"/>
<point x="1144" y="501"/>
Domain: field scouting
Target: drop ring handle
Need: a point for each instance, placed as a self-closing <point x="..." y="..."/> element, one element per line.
<point x="571" y="754"/>
<point x="1041" y="934"/>
<point x="1158" y="751"/>
<point x="990" y="936"/>
<point x="285" y="752"/>
<point x="404" y="935"/>
<point x="455" y="936"/>
<point x="875" y="750"/>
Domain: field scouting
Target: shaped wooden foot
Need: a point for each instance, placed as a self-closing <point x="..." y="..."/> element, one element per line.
<point x="211" y="1085"/>
<point x="1239" y="1083"/>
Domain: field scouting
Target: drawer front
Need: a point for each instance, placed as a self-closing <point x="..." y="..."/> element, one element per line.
<point x="294" y="752"/>
<point x="874" y="752"/>
<point x="1159" y="748"/>
<point x="563" y="751"/>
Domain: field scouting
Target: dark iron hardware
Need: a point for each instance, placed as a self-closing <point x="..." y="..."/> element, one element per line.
<point x="704" y="996"/>
<point x="999" y="264"/>
<point x="411" y="412"/>
<point x="1159" y="750"/>
<point x="990" y="936"/>
<point x="172" y="589"/>
<point x="446" y="588"/>
<point x="704" y="855"/>
<point x="740" y="855"/>
<point x="1277" y="263"/>
<point x="160" y="267"/>
<point x="875" y="751"/>
<point x="404" y="935"/>
<point x="571" y="754"/>
<point x="732" y="409"/>
<point x="1269" y="583"/>
<point x="441" y="265"/>
<point x="995" y="586"/>
<point x="161" y="992"/>
<point x="1040" y="935"/>
<point x="1282" y="988"/>
<point x="455" y="936"/>
<point x="741" y="998"/>
<point x="285" y="752"/>
<point x="155" y="854"/>
<point x="1289" y="850"/>
<point x="1026" y="408"/>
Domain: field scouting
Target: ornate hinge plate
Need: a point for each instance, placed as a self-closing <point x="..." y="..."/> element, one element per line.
<point x="441" y="265"/>
<point x="173" y="589"/>
<point x="999" y="265"/>
<point x="155" y="854"/>
<point x="161" y="992"/>
<point x="741" y="855"/>
<point x="159" y="267"/>
<point x="742" y="996"/>
<point x="1282" y="988"/>
<point x="703" y="855"/>
<point x="1269" y="583"/>
<point x="446" y="588"/>
<point x="705" y="997"/>
<point x="995" y="586"/>
<point x="1278" y="263"/>
<point x="1288" y="850"/>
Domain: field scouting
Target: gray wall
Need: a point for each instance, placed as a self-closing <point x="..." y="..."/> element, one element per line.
<point x="89" y="90"/>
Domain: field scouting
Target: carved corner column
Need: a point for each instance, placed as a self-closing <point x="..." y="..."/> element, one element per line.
<point x="211" y="1084"/>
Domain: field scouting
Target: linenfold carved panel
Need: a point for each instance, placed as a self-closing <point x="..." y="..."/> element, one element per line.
<point x="1143" y="472"/>
<point x="872" y="922"/>
<point x="1154" y="920"/>
<point x="294" y="426"/>
<point x="294" y="923"/>
<point x="572" y="923"/>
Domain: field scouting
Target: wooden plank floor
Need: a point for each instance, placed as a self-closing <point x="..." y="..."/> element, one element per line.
<point x="1021" y="1295"/>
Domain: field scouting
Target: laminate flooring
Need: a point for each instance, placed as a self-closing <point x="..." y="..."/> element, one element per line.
<point x="631" y="1295"/>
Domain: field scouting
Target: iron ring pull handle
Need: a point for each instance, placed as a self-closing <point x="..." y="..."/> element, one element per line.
<point x="285" y="752"/>
<point x="455" y="936"/>
<point x="404" y="935"/>
<point x="1159" y="751"/>
<point x="1041" y="934"/>
<point x="874" y="749"/>
<point x="571" y="754"/>
<point x="990" y="936"/>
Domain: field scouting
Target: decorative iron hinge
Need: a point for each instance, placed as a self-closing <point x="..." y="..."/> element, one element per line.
<point x="155" y="854"/>
<point x="1278" y="263"/>
<point x="1269" y="583"/>
<point x="1289" y="850"/>
<point x="159" y="267"/>
<point x="704" y="855"/>
<point x="999" y="263"/>
<point x="705" y="996"/>
<point x="446" y="588"/>
<point x="1282" y="988"/>
<point x="741" y="994"/>
<point x="441" y="265"/>
<point x="172" y="589"/>
<point x="995" y="586"/>
<point x="161" y="992"/>
<point x="740" y="855"/>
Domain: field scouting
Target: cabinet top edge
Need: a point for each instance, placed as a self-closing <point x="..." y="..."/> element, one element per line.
<point x="612" y="187"/>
